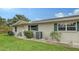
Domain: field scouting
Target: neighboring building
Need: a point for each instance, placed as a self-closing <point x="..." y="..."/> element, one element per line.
<point x="68" y="26"/>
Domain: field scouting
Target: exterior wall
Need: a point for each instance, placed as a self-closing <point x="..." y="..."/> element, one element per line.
<point x="66" y="36"/>
<point x="20" y="29"/>
<point x="46" y="29"/>
<point x="71" y="38"/>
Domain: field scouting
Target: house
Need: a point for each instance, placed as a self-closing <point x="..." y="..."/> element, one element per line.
<point x="68" y="26"/>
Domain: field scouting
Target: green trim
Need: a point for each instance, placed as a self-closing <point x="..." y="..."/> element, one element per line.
<point x="77" y="26"/>
<point x="33" y="27"/>
<point x="55" y="27"/>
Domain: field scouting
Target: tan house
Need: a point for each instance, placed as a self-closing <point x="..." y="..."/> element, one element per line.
<point x="68" y="26"/>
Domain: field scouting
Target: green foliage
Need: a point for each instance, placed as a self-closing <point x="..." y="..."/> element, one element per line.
<point x="17" y="18"/>
<point x="21" y="17"/>
<point x="28" y="34"/>
<point x="10" y="33"/>
<point x="4" y="29"/>
<point x="3" y="25"/>
<point x="2" y="21"/>
<point x="55" y="35"/>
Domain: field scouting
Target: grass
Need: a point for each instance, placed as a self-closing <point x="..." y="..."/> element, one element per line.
<point x="10" y="43"/>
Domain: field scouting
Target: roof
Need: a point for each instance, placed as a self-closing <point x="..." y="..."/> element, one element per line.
<point x="75" y="17"/>
<point x="20" y="22"/>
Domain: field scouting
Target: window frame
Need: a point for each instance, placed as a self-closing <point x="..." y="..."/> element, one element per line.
<point x="66" y="26"/>
<point x="58" y="27"/>
<point x="15" y="28"/>
<point x="77" y="25"/>
<point x="72" y="27"/>
<point x="30" y="27"/>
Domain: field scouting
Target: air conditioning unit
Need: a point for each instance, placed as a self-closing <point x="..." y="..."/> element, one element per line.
<point x="38" y="35"/>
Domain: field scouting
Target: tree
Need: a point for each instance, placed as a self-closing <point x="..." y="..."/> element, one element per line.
<point x="17" y="18"/>
<point x="21" y="17"/>
<point x="55" y="35"/>
<point x="2" y="21"/>
<point x="3" y="25"/>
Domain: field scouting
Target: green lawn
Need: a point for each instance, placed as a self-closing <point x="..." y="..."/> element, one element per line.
<point x="10" y="43"/>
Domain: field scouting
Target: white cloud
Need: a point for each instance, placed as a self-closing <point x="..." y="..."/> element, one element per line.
<point x="37" y="18"/>
<point x="7" y="9"/>
<point x="60" y="14"/>
<point x="76" y="12"/>
<point x="70" y="14"/>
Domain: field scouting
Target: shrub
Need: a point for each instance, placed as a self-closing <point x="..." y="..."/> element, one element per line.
<point x="28" y="34"/>
<point x="10" y="33"/>
<point x="55" y="35"/>
<point x="4" y="29"/>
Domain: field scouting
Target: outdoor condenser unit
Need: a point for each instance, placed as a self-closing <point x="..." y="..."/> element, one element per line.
<point x="38" y="35"/>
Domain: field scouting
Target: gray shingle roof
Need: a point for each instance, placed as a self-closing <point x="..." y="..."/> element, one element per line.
<point x="56" y="19"/>
<point x="21" y="22"/>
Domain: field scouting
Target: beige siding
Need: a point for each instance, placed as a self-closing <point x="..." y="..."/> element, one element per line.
<point x="70" y="37"/>
<point x="46" y="28"/>
<point x="67" y="36"/>
<point x="20" y="29"/>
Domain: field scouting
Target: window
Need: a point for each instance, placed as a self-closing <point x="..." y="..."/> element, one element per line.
<point x="15" y="29"/>
<point x="61" y="27"/>
<point x="33" y="27"/>
<point x="55" y="27"/>
<point x="71" y="27"/>
<point x="28" y="27"/>
<point x="77" y="26"/>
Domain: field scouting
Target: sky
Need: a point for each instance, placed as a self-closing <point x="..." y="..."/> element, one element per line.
<point x="38" y="13"/>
